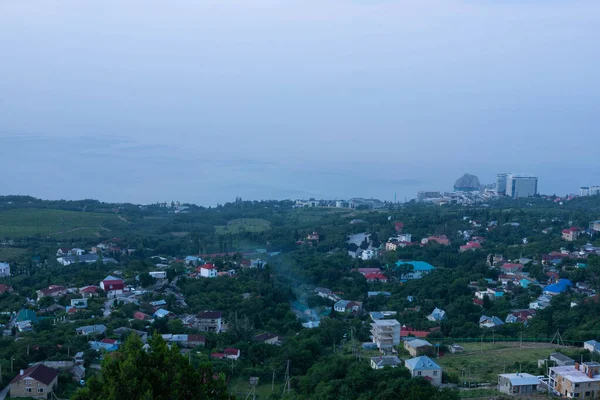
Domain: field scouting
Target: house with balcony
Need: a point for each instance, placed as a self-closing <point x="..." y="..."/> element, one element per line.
<point x="210" y="321"/>
<point x="580" y="381"/>
<point x="386" y="334"/>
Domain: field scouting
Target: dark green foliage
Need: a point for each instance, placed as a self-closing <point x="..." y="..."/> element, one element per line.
<point x="159" y="373"/>
<point x="343" y="377"/>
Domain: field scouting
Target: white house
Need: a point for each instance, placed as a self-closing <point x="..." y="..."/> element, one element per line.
<point x="368" y="255"/>
<point x="385" y="361"/>
<point x="592" y="346"/>
<point x="112" y="286"/>
<point x="208" y="271"/>
<point x="4" y="270"/>
<point x="158" y="274"/>
<point x="405" y="237"/>
<point x="232" y="353"/>
<point x="77" y="252"/>
<point x="518" y="383"/>
<point x="425" y="367"/>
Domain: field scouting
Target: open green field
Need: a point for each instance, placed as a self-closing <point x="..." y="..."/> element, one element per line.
<point x="11" y="253"/>
<point x="243" y="224"/>
<point x="55" y="223"/>
<point x="484" y="366"/>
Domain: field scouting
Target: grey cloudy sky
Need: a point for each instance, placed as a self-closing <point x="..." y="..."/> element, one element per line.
<point x="203" y="100"/>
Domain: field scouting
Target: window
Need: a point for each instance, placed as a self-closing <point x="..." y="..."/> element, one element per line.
<point x="40" y="390"/>
<point x="419" y="373"/>
<point x="28" y="390"/>
<point x="28" y="382"/>
<point x="435" y="373"/>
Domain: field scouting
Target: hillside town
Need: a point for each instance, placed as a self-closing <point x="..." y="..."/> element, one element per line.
<point x="394" y="296"/>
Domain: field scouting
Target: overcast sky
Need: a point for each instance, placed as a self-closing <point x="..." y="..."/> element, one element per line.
<point x="202" y="100"/>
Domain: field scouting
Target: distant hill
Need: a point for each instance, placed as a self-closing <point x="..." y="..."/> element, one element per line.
<point x="467" y="183"/>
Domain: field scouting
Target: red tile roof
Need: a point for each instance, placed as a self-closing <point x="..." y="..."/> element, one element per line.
<point x="208" y="266"/>
<point x="471" y="245"/>
<point x="196" y="339"/>
<point x="39" y="372"/>
<point x="141" y="316"/>
<point x="512" y="266"/>
<point x="4" y="288"/>
<point x="109" y="341"/>
<point x="217" y="355"/>
<point x="230" y="351"/>
<point x="408" y="331"/>
<point x="375" y="277"/>
<point x="89" y="289"/>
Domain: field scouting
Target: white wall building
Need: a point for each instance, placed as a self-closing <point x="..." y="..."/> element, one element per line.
<point x="424" y="367"/>
<point x="501" y="183"/>
<point x="208" y="271"/>
<point x="368" y="255"/>
<point x="4" y="270"/>
<point x="158" y="274"/>
<point x="386" y="334"/>
<point x="518" y="185"/>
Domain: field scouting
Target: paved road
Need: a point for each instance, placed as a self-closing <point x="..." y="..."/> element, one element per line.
<point x="107" y="305"/>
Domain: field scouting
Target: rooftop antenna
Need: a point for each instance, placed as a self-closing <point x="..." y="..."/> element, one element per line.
<point x="286" y="385"/>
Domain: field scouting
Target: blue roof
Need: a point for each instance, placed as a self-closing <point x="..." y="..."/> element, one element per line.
<point x="525" y="282"/>
<point x="594" y="344"/>
<point x="371" y="294"/>
<point x="422" y="363"/>
<point x="26" y="315"/>
<point x="559" y="287"/>
<point x="161" y="313"/>
<point x="94" y="345"/>
<point x="417" y="265"/>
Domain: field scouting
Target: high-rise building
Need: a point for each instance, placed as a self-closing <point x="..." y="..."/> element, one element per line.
<point x="501" y="183"/>
<point x="519" y="185"/>
<point x="589" y="190"/>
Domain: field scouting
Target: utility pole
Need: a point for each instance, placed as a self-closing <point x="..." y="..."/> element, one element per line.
<point x="273" y="382"/>
<point x="286" y="386"/>
<point x="469" y="377"/>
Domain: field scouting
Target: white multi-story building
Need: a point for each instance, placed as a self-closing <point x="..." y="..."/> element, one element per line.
<point x="4" y="270"/>
<point x="589" y="190"/>
<point x="501" y="183"/>
<point x="518" y="185"/>
<point x="386" y="334"/>
<point x="576" y="381"/>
